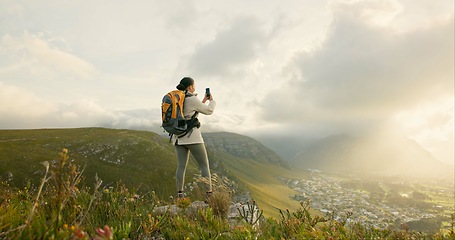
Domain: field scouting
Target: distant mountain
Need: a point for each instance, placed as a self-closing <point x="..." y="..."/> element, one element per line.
<point x="285" y="145"/>
<point x="242" y="147"/>
<point x="370" y="154"/>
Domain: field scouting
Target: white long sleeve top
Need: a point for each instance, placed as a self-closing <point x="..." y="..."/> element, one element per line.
<point x="191" y="105"/>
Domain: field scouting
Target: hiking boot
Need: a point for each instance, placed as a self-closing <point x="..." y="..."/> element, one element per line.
<point x="180" y="195"/>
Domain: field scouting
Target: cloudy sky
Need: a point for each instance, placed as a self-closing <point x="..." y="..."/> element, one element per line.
<point x="307" y="67"/>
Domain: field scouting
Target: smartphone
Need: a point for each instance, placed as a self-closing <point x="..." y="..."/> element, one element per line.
<point x="207" y="92"/>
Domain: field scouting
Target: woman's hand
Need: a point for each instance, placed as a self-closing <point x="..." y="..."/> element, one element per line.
<point x="207" y="98"/>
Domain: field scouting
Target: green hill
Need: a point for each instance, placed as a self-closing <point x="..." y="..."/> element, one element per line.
<point x="242" y="147"/>
<point x="137" y="158"/>
<point x="145" y="160"/>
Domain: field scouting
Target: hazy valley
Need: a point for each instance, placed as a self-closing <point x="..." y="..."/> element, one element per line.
<point x="376" y="153"/>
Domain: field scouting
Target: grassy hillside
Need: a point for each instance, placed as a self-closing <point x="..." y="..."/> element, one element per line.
<point x="262" y="179"/>
<point x="137" y="158"/>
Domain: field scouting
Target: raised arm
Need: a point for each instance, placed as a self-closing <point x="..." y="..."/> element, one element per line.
<point x="201" y="107"/>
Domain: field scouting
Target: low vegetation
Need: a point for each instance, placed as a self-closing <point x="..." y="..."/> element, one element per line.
<point x="58" y="207"/>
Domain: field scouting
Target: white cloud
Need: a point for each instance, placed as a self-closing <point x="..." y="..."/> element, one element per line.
<point x="24" y="109"/>
<point x="20" y="104"/>
<point x="35" y="55"/>
<point x="373" y="12"/>
<point x="231" y="50"/>
<point x="365" y="71"/>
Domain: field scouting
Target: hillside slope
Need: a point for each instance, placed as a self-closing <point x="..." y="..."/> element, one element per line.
<point x="242" y="147"/>
<point x="256" y="166"/>
<point x="137" y="158"/>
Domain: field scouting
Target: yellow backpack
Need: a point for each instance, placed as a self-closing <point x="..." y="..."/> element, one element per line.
<point x="173" y="120"/>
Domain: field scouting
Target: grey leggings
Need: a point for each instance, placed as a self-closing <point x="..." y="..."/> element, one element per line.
<point x="200" y="154"/>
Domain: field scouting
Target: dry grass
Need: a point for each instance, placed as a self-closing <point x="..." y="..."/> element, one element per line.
<point x="221" y="196"/>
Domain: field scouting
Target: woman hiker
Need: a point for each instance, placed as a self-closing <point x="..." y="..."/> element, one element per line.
<point x="193" y="141"/>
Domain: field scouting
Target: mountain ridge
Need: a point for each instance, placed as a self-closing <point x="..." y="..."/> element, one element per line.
<point x="235" y="144"/>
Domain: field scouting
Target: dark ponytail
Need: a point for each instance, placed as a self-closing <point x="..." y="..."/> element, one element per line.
<point x="185" y="83"/>
<point x="181" y="87"/>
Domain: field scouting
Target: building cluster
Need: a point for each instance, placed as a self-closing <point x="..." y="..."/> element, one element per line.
<point x="352" y="205"/>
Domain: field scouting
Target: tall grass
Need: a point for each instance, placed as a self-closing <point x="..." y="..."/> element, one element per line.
<point x="60" y="207"/>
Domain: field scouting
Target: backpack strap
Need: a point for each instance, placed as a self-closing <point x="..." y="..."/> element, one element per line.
<point x="192" y="123"/>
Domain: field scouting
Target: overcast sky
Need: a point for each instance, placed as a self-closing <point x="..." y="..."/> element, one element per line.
<point x="307" y="67"/>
